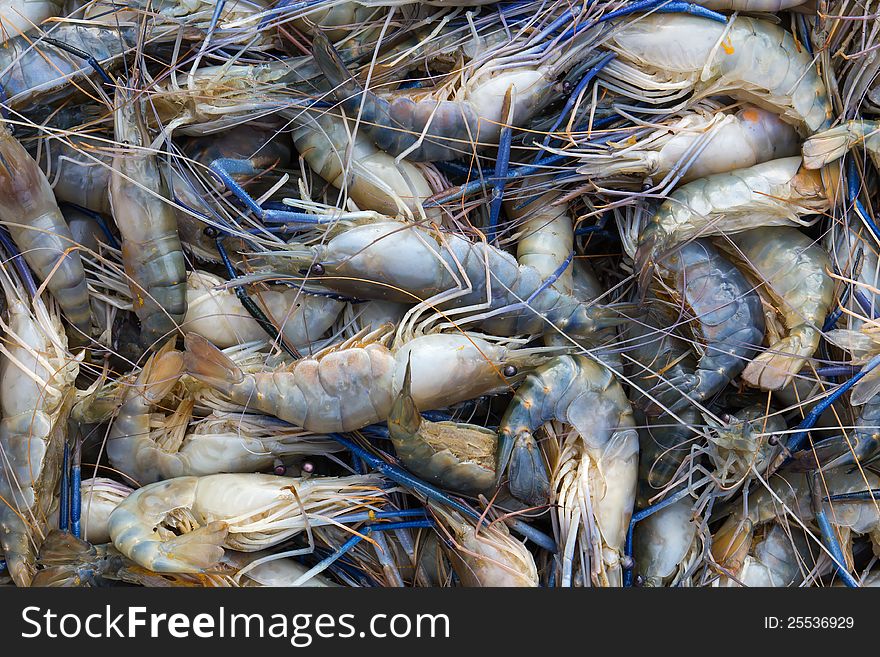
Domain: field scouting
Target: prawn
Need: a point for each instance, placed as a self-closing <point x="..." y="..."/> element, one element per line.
<point x="593" y="482"/>
<point x="29" y="210"/>
<point x="775" y="193"/>
<point x="700" y="142"/>
<point x="38" y="375"/>
<point x="472" y="282"/>
<point x="184" y="525"/>
<point x="469" y="107"/>
<point x="217" y="314"/>
<point x="353" y="384"/>
<point x="151" y="249"/>
<point x="793" y="271"/>
<point x="368" y="175"/>
<point x="485" y="556"/>
<point x="725" y="315"/>
<point x="666" y="546"/>
<point x="665" y="56"/>
<point x="149" y="451"/>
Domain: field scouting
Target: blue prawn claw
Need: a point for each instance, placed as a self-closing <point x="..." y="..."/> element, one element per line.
<point x="829" y="537"/>
<point x="665" y="7"/>
<point x="227" y="168"/>
<point x="800" y="434"/>
<point x="400" y="476"/>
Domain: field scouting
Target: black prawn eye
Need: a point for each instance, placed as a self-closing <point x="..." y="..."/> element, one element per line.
<point x="317" y="269"/>
<point x="510" y="370"/>
<point x="211" y="232"/>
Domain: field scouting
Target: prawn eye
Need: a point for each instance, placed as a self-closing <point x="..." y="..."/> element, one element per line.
<point x="317" y="269"/>
<point x="211" y="232"/>
<point x="510" y="370"/>
<point x="773" y="440"/>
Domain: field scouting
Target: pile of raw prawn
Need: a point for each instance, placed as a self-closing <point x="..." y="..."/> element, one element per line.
<point x="443" y="293"/>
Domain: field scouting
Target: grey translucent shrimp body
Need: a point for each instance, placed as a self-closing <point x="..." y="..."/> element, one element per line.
<point x="665" y="545"/>
<point x="748" y="58"/>
<point x="345" y="157"/>
<point x="79" y="171"/>
<point x="725" y="315"/>
<point x="770" y="555"/>
<point x="37" y="376"/>
<point x="775" y="193"/>
<point x="791" y="494"/>
<point x="353" y="384"/>
<point x="441" y="124"/>
<point x="829" y="145"/>
<point x="470" y="281"/>
<point x="485" y="556"/>
<point x="184" y="525"/>
<point x="151" y="249"/>
<point x="697" y="143"/>
<point x="30" y="212"/>
<point x="664" y="441"/>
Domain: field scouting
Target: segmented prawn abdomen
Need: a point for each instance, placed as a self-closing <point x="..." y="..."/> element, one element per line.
<point x="726" y="315"/>
<point x="30" y="212"/>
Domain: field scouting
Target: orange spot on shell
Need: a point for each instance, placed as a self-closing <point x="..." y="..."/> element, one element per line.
<point x="727" y="45"/>
<point x="751" y="115"/>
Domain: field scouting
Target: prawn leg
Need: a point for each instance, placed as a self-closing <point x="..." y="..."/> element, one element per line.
<point x="346" y="547"/>
<point x="76" y="490"/>
<point x="63" y="501"/>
